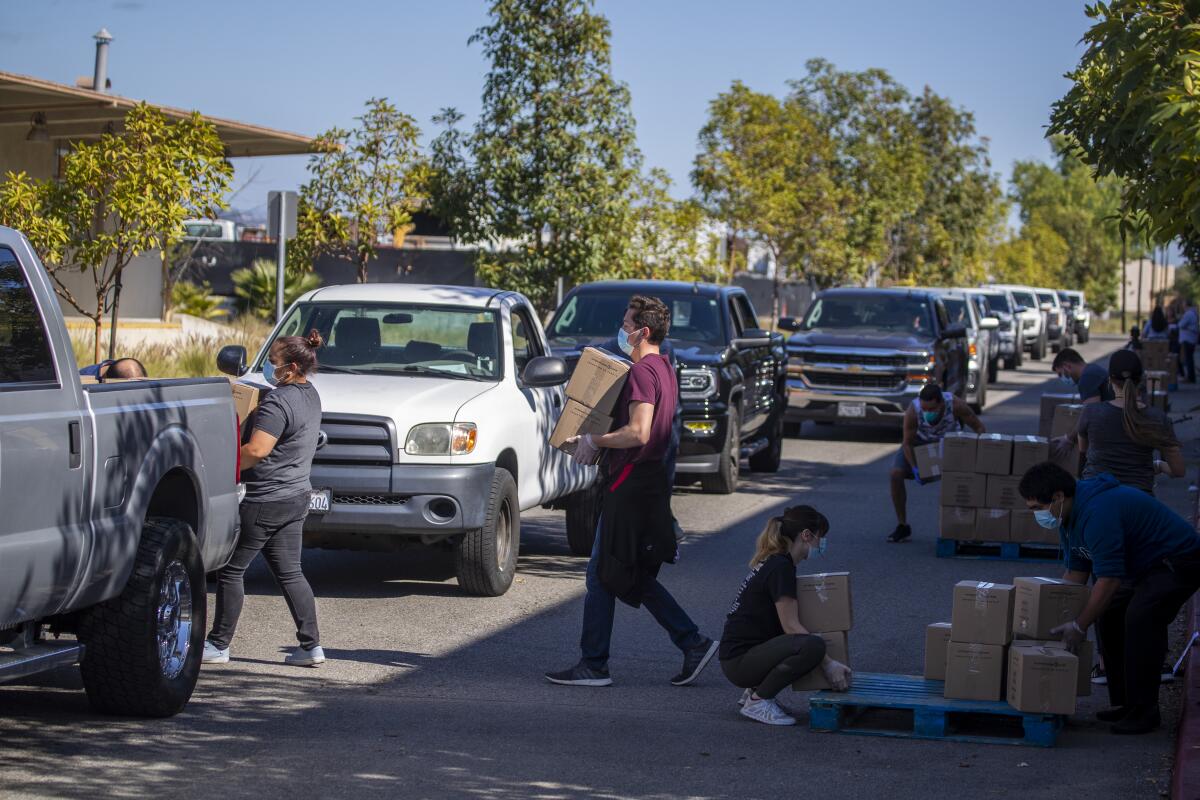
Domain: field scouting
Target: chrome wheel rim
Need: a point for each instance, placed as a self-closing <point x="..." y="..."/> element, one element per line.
<point x="174" y="617"/>
<point x="504" y="541"/>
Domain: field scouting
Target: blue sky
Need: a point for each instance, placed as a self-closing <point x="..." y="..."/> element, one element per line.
<point x="304" y="66"/>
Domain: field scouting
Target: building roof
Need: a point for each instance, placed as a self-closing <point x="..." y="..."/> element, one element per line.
<point x="75" y="113"/>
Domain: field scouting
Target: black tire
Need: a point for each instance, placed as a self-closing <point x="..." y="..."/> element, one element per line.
<point x="486" y="559"/>
<point x="121" y="667"/>
<point x="1038" y="352"/>
<point x="1084" y="335"/>
<point x="769" y="458"/>
<point x="583" y="512"/>
<point x="993" y="370"/>
<point x="1011" y="363"/>
<point x="792" y="429"/>
<point x="981" y="402"/>
<point x="725" y="479"/>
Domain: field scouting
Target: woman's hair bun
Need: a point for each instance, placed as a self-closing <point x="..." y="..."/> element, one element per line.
<point x="314" y="339"/>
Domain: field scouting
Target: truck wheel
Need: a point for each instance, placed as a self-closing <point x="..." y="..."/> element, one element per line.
<point x="725" y="479"/>
<point x="142" y="648"/>
<point x="993" y="370"/>
<point x="1039" y="348"/>
<point x="486" y="559"/>
<point x="792" y="429"/>
<point x="1084" y="333"/>
<point x="980" y="398"/>
<point x="583" y="512"/>
<point x="767" y="459"/>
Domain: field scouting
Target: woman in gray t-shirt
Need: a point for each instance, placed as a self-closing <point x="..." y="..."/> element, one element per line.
<point x="1121" y="436"/>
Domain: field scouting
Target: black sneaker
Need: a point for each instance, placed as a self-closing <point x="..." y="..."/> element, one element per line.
<point x="580" y="675"/>
<point x="1098" y="676"/>
<point x="901" y="534"/>
<point x="1112" y="714"/>
<point x="694" y="662"/>
<point x="1138" y="721"/>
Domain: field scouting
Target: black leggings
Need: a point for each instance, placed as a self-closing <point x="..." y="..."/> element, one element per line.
<point x="769" y="667"/>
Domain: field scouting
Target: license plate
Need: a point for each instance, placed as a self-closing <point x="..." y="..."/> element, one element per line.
<point x="852" y="409"/>
<point x="319" y="500"/>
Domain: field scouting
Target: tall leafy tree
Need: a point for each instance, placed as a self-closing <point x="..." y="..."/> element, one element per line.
<point x="670" y="239"/>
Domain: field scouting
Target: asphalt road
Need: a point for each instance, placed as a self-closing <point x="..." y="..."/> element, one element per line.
<point x="428" y="693"/>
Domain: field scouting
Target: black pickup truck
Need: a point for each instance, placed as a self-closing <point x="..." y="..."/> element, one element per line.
<point x="731" y="372"/>
<point x="862" y="355"/>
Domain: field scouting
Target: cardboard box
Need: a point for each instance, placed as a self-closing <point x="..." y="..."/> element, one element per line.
<point x="956" y="522"/>
<point x="993" y="525"/>
<point x="1002" y="492"/>
<point x="1041" y="604"/>
<point x="937" y="641"/>
<point x="1155" y="381"/>
<point x="1028" y="451"/>
<point x="598" y="380"/>
<point x="975" y="671"/>
<point x="1066" y="419"/>
<point x="1156" y="356"/>
<point x="982" y="613"/>
<point x="1049" y="403"/>
<point x="964" y="489"/>
<point x="1042" y="680"/>
<point x="958" y="451"/>
<point x="824" y="602"/>
<point x="577" y="419"/>
<point x="1069" y="460"/>
<point x="1160" y="401"/>
<point x="1085" y="653"/>
<point x="245" y="400"/>
<point x="1025" y="529"/>
<point x="994" y="456"/>
<point x="929" y="461"/>
<point x="836" y="647"/>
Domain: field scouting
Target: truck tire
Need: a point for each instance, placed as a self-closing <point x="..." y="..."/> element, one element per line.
<point x="583" y="512"/>
<point x="1084" y="333"/>
<point x="486" y="559"/>
<point x="769" y="458"/>
<point x="1038" y="351"/>
<point x="980" y="397"/>
<point x="792" y="429"/>
<point x="993" y="370"/>
<point x="142" y="648"/>
<point x="725" y="479"/>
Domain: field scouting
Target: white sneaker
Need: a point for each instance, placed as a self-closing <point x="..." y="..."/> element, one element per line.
<point x="214" y="654"/>
<point x="767" y="712"/>
<point x="745" y="698"/>
<point x="300" y="657"/>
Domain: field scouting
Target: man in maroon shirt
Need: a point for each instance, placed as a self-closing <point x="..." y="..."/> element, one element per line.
<point x="636" y="533"/>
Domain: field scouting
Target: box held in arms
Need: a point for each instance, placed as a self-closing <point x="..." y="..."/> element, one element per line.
<point x="836" y="647"/>
<point x="1042" y="604"/>
<point x="246" y="399"/>
<point x="1042" y="680"/>
<point x="1049" y="403"/>
<point x="929" y="460"/>
<point x="1085" y="653"/>
<point x="824" y="602"/>
<point x="982" y="613"/>
<point x="576" y="420"/>
<point x="598" y="380"/>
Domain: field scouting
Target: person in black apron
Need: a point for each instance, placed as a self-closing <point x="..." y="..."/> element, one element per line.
<point x="635" y="536"/>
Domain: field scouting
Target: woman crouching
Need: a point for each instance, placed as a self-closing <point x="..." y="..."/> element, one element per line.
<point x="764" y="647"/>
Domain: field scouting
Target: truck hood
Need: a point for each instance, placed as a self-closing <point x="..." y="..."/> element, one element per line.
<point x="861" y="339"/>
<point x="410" y="399"/>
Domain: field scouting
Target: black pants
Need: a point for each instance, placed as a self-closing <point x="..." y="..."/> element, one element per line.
<point x="1134" y="628"/>
<point x="1187" y="361"/>
<point x="277" y="531"/>
<point x="769" y="667"/>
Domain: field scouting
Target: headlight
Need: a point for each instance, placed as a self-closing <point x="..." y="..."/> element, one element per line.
<point x="697" y="383"/>
<point x="441" y="439"/>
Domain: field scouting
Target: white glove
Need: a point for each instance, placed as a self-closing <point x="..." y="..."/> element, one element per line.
<point x="1162" y="467"/>
<point x="584" y="451"/>
<point x="1071" y="634"/>
<point x="838" y="675"/>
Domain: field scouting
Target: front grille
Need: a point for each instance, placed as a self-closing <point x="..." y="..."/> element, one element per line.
<point x="817" y="357"/>
<point x="357" y="441"/>
<point x="370" y="499"/>
<point x="832" y="380"/>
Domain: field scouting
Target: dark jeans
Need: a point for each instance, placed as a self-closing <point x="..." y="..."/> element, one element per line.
<point x="770" y="667"/>
<point x="1187" y="360"/>
<point x="1133" y="630"/>
<point x="277" y="530"/>
<point x="599" y="609"/>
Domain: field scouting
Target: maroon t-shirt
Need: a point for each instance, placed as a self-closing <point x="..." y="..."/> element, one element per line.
<point x="650" y="381"/>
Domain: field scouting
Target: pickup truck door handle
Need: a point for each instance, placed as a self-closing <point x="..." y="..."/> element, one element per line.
<point x="75" y="435"/>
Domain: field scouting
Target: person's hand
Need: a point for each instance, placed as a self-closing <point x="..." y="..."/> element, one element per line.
<point x="1071" y="634"/>
<point x="917" y="477"/>
<point x="1161" y="467"/>
<point x="1060" y="446"/>
<point x="838" y="674"/>
<point x="584" y="451"/>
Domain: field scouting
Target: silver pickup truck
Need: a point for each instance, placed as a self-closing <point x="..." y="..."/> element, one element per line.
<point x="115" y="500"/>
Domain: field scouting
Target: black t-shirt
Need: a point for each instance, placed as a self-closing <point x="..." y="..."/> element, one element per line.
<point x="753" y="618"/>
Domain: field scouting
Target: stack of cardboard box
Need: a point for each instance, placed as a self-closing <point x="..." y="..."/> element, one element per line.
<point x="592" y="395"/>
<point x="980" y="630"/>
<point x="1049" y="403"/>
<point x="825" y="608"/>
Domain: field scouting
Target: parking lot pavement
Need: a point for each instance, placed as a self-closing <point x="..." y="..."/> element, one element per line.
<point x="431" y="694"/>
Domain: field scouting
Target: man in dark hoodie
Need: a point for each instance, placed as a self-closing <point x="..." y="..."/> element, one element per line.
<point x="1146" y="560"/>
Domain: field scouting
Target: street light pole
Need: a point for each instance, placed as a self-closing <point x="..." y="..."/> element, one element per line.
<point x="1124" y="283"/>
<point x="281" y="265"/>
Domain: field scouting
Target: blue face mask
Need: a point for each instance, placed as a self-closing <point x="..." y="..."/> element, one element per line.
<point x="1045" y="517"/>
<point x="931" y="416"/>
<point x="1067" y="380"/>
<point x="623" y="342"/>
<point x="268" y="372"/>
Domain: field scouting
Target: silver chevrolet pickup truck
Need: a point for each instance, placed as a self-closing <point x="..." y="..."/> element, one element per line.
<point x="115" y="500"/>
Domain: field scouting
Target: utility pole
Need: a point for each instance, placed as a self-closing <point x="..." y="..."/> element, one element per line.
<point x="281" y="224"/>
<point x="1124" y="284"/>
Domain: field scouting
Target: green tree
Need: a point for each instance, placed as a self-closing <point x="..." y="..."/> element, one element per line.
<point x="545" y="180"/>
<point x="196" y="300"/>
<point x="671" y="239"/>
<point x="119" y="197"/>
<point x="1134" y="110"/>
<point x="255" y="285"/>
<point x="1036" y="257"/>
<point x="365" y="184"/>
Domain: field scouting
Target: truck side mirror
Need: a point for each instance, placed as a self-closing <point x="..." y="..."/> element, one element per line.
<point x="232" y="360"/>
<point x="989" y="324"/>
<point x="955" y="331"/>
<point x="752" y="337"/>
<point x="545" y="371"/>
<point x="789" y="324"/>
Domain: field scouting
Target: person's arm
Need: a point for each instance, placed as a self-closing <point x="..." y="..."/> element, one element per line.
<point x="259" y="447"/>
<point x="967" y="416"/>
<point x="789" y="615"/>
<point x="634" y="434"/>
<point x="270" y="421"/>
<point x="1172" y="463"/>
<point x="910" y="436"/>
<point x="1076" y="576"/>
<point x="1081" y="440"/>
<point x="1101" y="596"/>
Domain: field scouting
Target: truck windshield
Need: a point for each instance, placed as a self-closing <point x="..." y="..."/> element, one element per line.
<point x="591" y="317"/>
<point x="401" y="339"/>
<point x="997" y="302"/>
<point x="1026" y="299"/>
<point x="1066" y="299"/>
<point x="870" y="311"/>
<point x="1048" y="297"/>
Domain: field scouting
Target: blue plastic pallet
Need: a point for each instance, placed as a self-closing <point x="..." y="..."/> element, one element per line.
<point x="910" y="707"/>
<point x="998" y="551"/>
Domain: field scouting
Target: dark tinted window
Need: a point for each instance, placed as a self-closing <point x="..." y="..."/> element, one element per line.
<point x="997" y="302"/>
<point x="24" y="347"/>
<point x="592" y="317"/>
<point x="1048" y="297"/>
<point x="956" y="310"/>
<point x="869" y="311"/>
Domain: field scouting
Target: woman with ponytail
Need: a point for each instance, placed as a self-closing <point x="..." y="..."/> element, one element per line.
<point x="276" y="463"/>
<point x="764" y="648"/>
<point x="1121" y="436"/>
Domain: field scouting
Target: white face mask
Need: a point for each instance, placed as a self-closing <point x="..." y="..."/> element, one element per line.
<point x="1045" y="517"/>
<point x="623" y="342"/>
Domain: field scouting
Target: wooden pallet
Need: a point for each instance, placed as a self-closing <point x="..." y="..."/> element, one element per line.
<point x="998" y="551"/>
<point x="910" y="707"/>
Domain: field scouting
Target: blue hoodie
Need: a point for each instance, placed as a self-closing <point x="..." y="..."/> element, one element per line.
<point x="1116" y="531"/>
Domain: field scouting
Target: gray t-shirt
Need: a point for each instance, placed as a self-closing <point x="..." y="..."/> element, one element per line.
<point x="1094" y="383"/>
<point x="292" y="414"/>
<point x="1111" y="450"/>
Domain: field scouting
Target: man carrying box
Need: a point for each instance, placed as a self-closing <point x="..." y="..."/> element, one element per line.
<point x="635" y="535"/>
<point x="1090" y="380"/>
<point x="1146" y="560"/>
<point x="931" y="416"/>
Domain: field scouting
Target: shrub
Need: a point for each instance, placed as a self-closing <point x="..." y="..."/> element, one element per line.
<point x="196" y="301"/>
<point x="255" y="288"/>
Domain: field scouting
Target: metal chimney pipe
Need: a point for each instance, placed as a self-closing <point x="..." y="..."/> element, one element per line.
<point x="100" y="77"/>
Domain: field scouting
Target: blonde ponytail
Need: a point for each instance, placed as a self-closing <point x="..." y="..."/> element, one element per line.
<point x="770" y="542"/>
<point x="1140" y="428"/>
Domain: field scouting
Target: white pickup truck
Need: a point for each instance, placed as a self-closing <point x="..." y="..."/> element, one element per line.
<point x="438" y="404"/>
